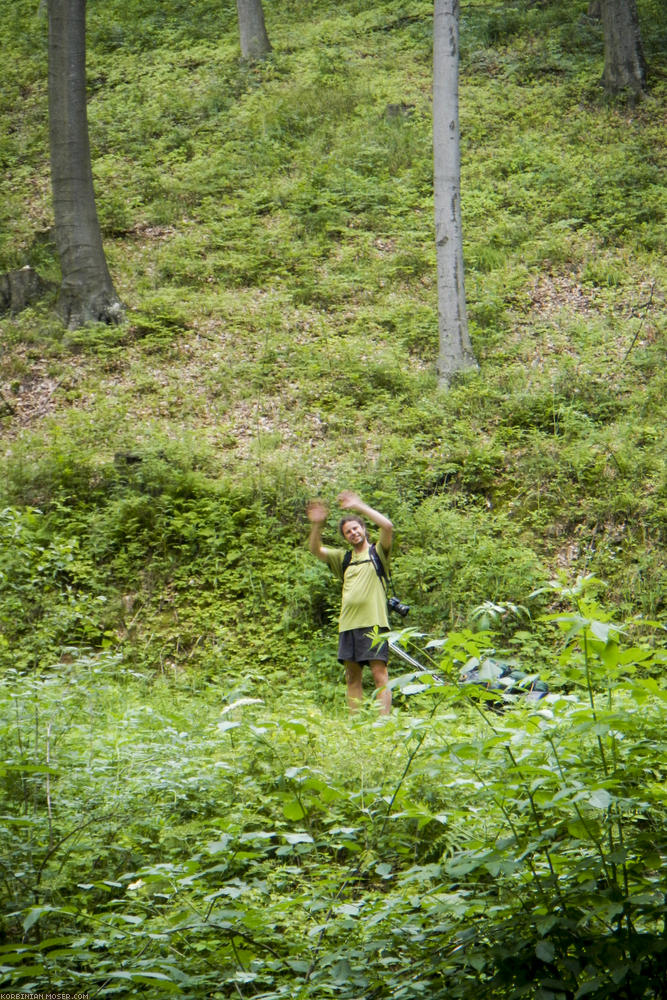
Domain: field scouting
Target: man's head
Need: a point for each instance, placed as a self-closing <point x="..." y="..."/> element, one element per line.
<point x="353" y="529"/>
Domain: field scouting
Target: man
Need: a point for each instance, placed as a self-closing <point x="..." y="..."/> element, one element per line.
<point x="364" y="601"/>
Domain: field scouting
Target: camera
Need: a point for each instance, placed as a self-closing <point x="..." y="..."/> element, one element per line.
<point x="393" y="604"/>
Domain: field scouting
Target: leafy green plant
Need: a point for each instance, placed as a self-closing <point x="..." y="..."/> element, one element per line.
<point x="446" y="851"/>
<point x="571" y="887"/>
<point x="49" y="593"/>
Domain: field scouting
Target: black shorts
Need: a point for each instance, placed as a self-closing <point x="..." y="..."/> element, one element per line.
<point x="355" y="646"/>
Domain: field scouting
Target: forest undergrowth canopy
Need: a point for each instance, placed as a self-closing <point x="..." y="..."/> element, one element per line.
<point x="469" y="843"/>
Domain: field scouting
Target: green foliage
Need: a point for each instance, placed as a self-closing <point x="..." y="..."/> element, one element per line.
<point x="184" y="810"/>
<point x="446" y="851"/>
<point x="270" y="228"/>
<point x="48" y="583"/>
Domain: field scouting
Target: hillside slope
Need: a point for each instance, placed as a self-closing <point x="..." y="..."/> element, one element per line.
<point x="270" y="229"/>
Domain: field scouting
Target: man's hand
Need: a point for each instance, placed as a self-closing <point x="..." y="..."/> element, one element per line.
<point x="317" y="511"/>
<point x="349" y="500"/>
<point x="317" y="514"/>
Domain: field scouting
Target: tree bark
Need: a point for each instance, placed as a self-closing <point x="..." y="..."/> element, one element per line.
<point x="254" y="39"/>
<point x="86" y="292"/>
<point x="456" y="352"/>
<point x="624" y="64"/>
<point x="19" y="289"/>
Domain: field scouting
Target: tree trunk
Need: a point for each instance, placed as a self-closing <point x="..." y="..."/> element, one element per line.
<point x="624" y="64"/>
<point x="456" y="352"/>
<point x="254" y="39"/>
<point x="19" y="289"/>
<point x="86" y="292"/>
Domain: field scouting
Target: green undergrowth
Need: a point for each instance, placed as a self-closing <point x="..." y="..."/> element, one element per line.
<point x="188" y="838"/>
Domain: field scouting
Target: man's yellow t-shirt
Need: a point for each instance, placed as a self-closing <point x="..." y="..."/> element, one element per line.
<point x="364" y="602"/>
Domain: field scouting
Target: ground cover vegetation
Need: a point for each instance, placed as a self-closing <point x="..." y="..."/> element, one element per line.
<point x="185" y="807"/>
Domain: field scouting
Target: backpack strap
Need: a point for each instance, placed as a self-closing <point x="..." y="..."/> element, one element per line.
<point x="373" y="558"/>
<point x="377" y="562"/>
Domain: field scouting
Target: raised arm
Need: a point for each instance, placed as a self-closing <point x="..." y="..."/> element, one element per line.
<point x="317" y="514"/>
<point x="351" y="501"/>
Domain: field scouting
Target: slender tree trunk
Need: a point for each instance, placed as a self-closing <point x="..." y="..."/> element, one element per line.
<point x="624" y="64"/>
<point x="456" y="352"/>
<point x="254" y="39"/>
<point x="86" y="292"/>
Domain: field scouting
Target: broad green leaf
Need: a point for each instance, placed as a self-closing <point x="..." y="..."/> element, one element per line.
<point x="296" y="726"/>
<point x="545" y="951"/>
<point x="222" y="727"/>
<point x="25" y="972"/>
<point x="341" y="971"/>
<point x="297" y="838"/>
<point x="605" y="631"/>
<point x="293" y="810"/>
<point x="588" y="987"/>
<point x="33" y="916"/>
<point x="648" y="898"/>
<point x="298" y="964"/>
<point x="157" y="979"/>
<point x="600" y="799"/>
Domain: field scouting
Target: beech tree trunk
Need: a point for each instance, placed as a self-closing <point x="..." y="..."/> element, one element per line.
<point x="624" y="64"/>
<point x="19" y="289"/>
<point x="456" y="352"/>
<point x="254" y="39"/>
<point x="86" y="292"/>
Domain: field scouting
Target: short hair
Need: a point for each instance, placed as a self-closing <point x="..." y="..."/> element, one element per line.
<point x="353" y="517"/>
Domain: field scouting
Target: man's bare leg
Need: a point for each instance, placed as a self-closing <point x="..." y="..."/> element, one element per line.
<point x="355" y="691"/>
<point x="381" y="678"/>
